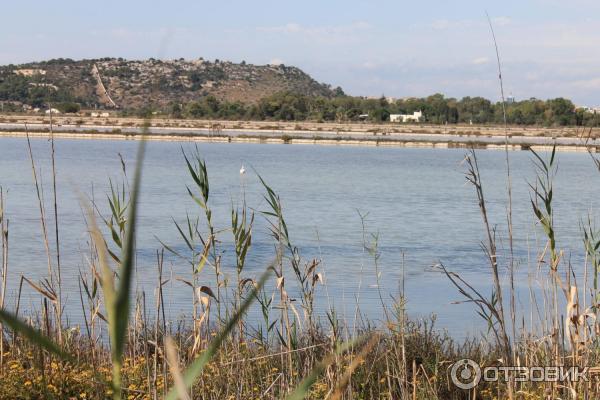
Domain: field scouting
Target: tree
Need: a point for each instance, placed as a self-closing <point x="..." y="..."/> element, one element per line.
<point x="562" y="111"/>
<point x="68" y="107"/>
<point x="338" y="92"/>
<point x="175" y="110"/>
<point x="195" y="110"/>
<point x="380" y="115"/>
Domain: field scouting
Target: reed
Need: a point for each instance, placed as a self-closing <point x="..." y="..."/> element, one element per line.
<point x="4" y="270"/>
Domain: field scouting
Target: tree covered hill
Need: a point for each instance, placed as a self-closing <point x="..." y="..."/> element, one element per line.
<point x="225" y="90"/>
<point x="131" y="84"/>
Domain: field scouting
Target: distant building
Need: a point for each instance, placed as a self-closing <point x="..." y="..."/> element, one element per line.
<point x="510" y="99"/>
<point x="100" y="114"/>
<point x="53" y="111"/>
<point x="46" y="85"/>
<point x="414" y="117"/>
<point x="29" y="72"/>
<point x="591" y="110"/>
<point x="363" y="117"/>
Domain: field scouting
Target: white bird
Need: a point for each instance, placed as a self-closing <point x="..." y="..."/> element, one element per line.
<point x="242" y="170"/>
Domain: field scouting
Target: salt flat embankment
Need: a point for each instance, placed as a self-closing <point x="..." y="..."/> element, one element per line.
<point x="386" y="134"/>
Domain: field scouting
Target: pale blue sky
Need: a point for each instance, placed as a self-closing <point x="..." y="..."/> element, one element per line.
<point x="549" y="48"/>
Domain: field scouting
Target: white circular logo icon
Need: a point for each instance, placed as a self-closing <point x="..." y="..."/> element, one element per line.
<point x="465" y="374"/>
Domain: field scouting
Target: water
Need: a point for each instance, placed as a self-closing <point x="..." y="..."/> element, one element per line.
<point x="415" y="201"/>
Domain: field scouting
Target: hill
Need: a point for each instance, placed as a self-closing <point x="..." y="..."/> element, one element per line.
<point x="133" y="84"/>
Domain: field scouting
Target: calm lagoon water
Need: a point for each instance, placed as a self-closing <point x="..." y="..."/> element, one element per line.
<point x="415" y="200"/>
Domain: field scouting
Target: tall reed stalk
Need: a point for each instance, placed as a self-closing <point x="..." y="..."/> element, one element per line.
<point x="4" y="270"/>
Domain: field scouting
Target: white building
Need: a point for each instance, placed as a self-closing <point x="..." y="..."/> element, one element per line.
<point x="29" y="72"/>
<point x="592" y="110"/>
<point x="414" y="117"/>
<point x="53" y="111"/>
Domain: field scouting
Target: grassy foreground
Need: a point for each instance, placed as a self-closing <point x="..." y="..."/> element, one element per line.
<point x="127" y="348"/>
<point x="246" y="369"/>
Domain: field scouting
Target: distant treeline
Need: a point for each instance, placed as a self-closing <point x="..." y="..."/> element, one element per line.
<point x="290" y="106"/>
<point x="436" y="109"/>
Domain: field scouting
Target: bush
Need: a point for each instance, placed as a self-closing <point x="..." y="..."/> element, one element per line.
<point x="68" y="107"/>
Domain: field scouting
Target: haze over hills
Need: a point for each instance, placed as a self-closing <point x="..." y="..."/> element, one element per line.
<point x="131" y="84"/>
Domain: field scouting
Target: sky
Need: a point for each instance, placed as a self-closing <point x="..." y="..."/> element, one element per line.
<point x="548" y="48"/>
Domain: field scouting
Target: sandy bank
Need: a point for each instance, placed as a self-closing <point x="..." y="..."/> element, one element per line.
<point x="285" y="138"/>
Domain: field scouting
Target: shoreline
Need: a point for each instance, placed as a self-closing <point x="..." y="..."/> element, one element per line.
<point x="350" y="127"/>
<point x="250" y="136"/>
<point x="269" y="132"/>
